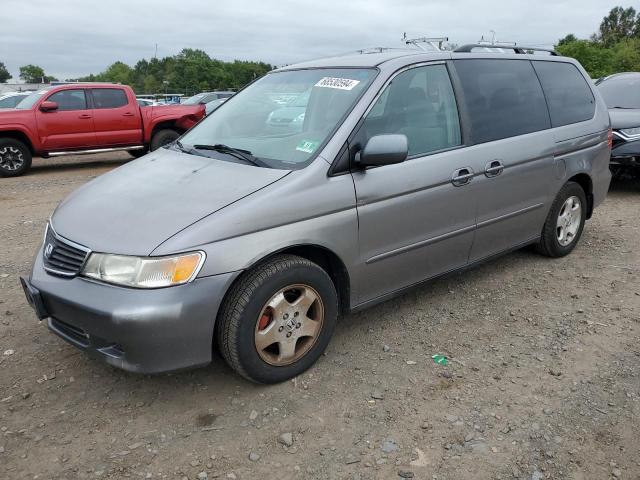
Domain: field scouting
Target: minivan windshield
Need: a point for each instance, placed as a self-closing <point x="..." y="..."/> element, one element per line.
<point x="32" y="99"/>
<point x="621" y="91"/>
<point x="255" y="120"/>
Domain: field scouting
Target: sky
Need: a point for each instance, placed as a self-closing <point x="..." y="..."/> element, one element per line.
<point x="72" y="38"/>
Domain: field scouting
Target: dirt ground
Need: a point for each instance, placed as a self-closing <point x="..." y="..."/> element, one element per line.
<point x="543" y="382"/>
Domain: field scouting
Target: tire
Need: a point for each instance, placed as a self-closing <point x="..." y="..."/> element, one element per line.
<point x="552" y="242"/>
<point x="245" y="320"/>
<point x="163" y="137"/>
<point x="15" y="158"/>
<point x="138" y="153"/>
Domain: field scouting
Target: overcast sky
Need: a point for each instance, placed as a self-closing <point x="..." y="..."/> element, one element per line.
<point x="70" y="38"/>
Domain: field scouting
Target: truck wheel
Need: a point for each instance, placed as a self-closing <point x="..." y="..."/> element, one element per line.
<point x="163" y="137"/>
<point x="277" y="319"/>
<point x="565" y="222"/>
<point x="15" y="158"/>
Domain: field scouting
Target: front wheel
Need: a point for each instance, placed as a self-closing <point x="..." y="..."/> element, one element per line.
<point x="15" y="158"/>
<point x="565" y="222"/>
<point x="277" y="319"/>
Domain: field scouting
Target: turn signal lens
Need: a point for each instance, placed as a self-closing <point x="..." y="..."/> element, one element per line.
<point x="184" y="268"/>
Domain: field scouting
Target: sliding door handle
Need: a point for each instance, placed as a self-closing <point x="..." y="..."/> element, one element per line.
<point x="493" y="168"/>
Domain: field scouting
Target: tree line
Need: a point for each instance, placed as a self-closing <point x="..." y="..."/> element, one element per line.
<point x="615" y="47"/>
<point x="189" y="72"/>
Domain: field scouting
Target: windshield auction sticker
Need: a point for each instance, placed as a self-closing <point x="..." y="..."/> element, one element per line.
<point x="339" y="83"/>
<point x="307" y="146"/>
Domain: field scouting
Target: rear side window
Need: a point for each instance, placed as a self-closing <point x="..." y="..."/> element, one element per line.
<point x="503" y="98"/>
<point x="109" y="98"/>
<point x="69" y="100"/>
<point x="569" y="97"/>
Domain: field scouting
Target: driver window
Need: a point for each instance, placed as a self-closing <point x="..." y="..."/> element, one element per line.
<point x="69" y="100"/>
<point x="420" y="104"/>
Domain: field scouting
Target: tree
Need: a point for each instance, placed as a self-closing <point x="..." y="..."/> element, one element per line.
<point x="593" y="56"/>
<point x="568" y="39"/>
<point x="620" y="24"/>
<point x="32" y="74"/>
<point x="4" y="73"/>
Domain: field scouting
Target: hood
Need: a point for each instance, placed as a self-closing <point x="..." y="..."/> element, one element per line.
<point x="14" y="115"/>
<point x="134" y="208"/>
<point x="622" y="118"/>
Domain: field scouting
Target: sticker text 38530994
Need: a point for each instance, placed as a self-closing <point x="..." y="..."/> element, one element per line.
<point x="339" y="83"/>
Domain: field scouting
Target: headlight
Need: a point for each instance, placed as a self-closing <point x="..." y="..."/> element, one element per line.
<point x="631" y="132"/>
<point x="143" y="272"/>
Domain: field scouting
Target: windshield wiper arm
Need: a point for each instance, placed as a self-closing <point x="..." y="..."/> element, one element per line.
<point x="235" y="152"/>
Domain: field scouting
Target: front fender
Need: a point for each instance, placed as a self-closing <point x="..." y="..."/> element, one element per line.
<point x="30" y="134"/>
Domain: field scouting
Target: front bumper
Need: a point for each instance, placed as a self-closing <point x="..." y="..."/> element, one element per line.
<point x="626" y="153"/>
<point x="145" y="331"/>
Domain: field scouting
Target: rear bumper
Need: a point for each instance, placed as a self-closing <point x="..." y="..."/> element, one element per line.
<point x="145" y="331"/>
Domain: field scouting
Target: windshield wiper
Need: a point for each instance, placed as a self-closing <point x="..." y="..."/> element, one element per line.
<point x="235" y="152"/>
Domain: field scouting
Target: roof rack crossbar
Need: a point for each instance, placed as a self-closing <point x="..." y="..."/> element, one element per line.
<point x="516" y="48"/>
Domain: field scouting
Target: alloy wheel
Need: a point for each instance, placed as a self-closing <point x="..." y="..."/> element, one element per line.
<point x="11" y="158"/>
<point x="569" y="220"/>
<point x="289" y="325"/>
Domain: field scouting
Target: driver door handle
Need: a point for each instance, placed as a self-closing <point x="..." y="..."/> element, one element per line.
<point x="128" y="114"/>
<point x="462" y="176"/>
<point x="84" y="116"/>
<point x="493" y="168"/>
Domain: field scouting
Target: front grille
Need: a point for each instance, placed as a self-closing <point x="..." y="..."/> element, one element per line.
<point x="62" y="257"/>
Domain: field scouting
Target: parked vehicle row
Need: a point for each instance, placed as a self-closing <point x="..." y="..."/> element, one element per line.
<point x="406" y="165"/>
<point x="86" y="118"/>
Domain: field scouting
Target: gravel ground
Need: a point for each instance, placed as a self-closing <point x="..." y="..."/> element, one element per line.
<point x="543" y="379"/>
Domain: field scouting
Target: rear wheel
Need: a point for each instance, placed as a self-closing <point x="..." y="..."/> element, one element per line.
<point x="277" y="319"/>
<point x="15" y="158"/>
<point x="565" y="222"/>
<point x="163" y="137"/>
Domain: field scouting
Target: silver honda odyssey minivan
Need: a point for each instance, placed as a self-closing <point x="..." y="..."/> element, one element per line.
<point x="255" y="230"/>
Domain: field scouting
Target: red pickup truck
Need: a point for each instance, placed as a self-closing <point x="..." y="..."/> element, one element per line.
<point x="86" y="118"/>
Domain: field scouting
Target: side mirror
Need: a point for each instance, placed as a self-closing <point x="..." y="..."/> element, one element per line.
<point x="48" y="106"/>
<point x="384" y="150"/>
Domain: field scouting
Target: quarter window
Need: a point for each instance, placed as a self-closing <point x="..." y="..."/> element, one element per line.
<point x="69" y="100"/>
<point x="569" y="97"/>
<point x="108" y="98"/>
<point x="420" y="104"/>
<point x="503" y="98"/>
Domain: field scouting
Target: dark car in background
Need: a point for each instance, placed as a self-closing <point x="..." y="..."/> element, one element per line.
<point x="621" y="93"/>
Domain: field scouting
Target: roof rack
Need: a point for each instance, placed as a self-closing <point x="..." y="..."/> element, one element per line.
<point x="516" y="48"/>
<point x="370" y="50"/>
<point x="436" y="43"/>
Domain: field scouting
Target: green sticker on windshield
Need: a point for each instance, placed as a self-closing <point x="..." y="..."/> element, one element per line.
<point x="307" y="146"/>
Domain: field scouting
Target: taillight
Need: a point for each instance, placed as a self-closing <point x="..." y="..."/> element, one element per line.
<point x="610" y="138"/>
